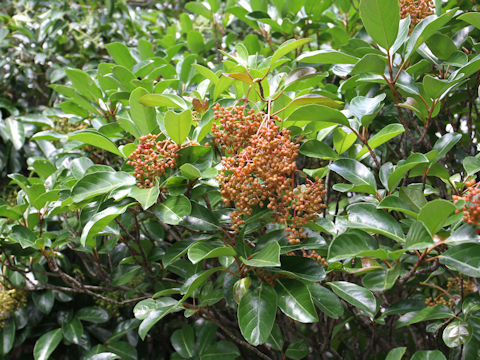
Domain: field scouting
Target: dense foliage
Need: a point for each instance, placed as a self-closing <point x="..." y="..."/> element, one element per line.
<point x="246" y="179"/>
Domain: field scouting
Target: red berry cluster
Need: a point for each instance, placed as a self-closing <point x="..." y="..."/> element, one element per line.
<point x="471" y="209"/>
<point x="259" y="170"/>
<point x="152" y="158"/>
<point x="417" y="9"/>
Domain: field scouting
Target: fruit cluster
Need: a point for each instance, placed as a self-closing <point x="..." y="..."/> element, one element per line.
<point x="417" y="9"/>
<point x="152" y="158"/>
<point x="259" y="169"/>
<point x="456" y="284"/>
<point x="471" y="209"/>
<point x="10" y="301"/>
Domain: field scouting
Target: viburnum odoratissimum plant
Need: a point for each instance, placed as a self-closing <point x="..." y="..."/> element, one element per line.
<point x="260" y="168"/>
<point x="252" y="180"/>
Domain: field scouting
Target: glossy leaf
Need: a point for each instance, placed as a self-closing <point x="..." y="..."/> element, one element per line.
<point x="268" y="256"/>
<point x="93" y="314"/>
<point x="435" y="213"/>
<point x="368" y="218"/>
<point x="256" y="314"/>
<point x="317" y="149"/>
<point x="95" y="138"/>
<point x="464" y="258"/>
<point x="381" y="19"/>
<point x="143" y="116"/>
<point x="387" y="133"/>
<point x="352" y="244"/>
<point x="183" y="341"/>
<point x="326" y="301"/>
<point x="46" y="344"/>
<point x="178" y="125"/>
<point x="356" y="295"/>
<point x="206" y="249"/>
<point x="355" y="172"/>
<point x="100" y="183"/>
<point x="457" y="333"/>
<point x="295" y="300"/>
<point x="99" y="221"/>
<point x="120" y="54"/>
<point x="174" y="209"/>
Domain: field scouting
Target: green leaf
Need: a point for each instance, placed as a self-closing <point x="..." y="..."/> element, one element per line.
<point x="368" y="218"/>
<point x="95" y="138"/>
<point x="428" y="313"/>
<point x="100" y="183"/>
<point x="190" y="171"/>
<point x="426" y="28"/>
<point x="84" y="84"/>
<point x="195" y="42"/>
<point x="287" y="47"/>
<point x="317" y="149"/>
<point x="256" y="314"/>
<point x="206" y="249"/>
<point x="471" y="165"/>
<point x="473" y="18"/>
<point x="73" y="331"/>
<point x="199" y="8"/>
<point x="7" y="338"/>
<point x="318" y="113"/>
<point x="356" y="295"/>
<point x="221" y="350"/>
<point x="178" y="125"/>
<point x="206" y="73"/>
<point x="370" y="63"/>
<point x="44" y="300"/>
<point x="396" y="203"/>
<point x="342" y="141"/>
<point x="145" y="196"/>
<point x="201" y="219"/>
<point x="99" y="221"/>
<point x="120" y="54"/>
<point x="183" y="341"/>
<point x="434" y="214"/>
<point x="23" y="236"/>
<point x="457" y="333"/>
<point x="403" y="167"/>
<point x="16" y="131"/>
<point x="354" y="243"/>
<point x="194" y="281"/>
<point x="46" y="344"/>
<point x="326" y="57"/>
<point x="163" y="100"/>
<point x="295" y="300"/>
<point x="418" y="237"/>
<point x="434" y="88"/>
<point x="298" y="349"/>
<point x="366" y="109"/>
<point x="464" y="258"/>
<point x="268" y="256"/>
<point x="313" y="99"/>
<point x="173" y="210"/>
<point x="387" y="133"/>
<point x="143" y="116"/>
<point x="275" y="340"/>
<point x="357" y="173"/>
<point x="396" y="354"/>
<point x="428" y="355"/>
<point x="326" y="300"/>
<point x="445" y="144"/>
<point x="93" y="314"/>
<point x="381" y="19"/>
<point x="302" y="268"/>
<point x="162" y="308"/>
